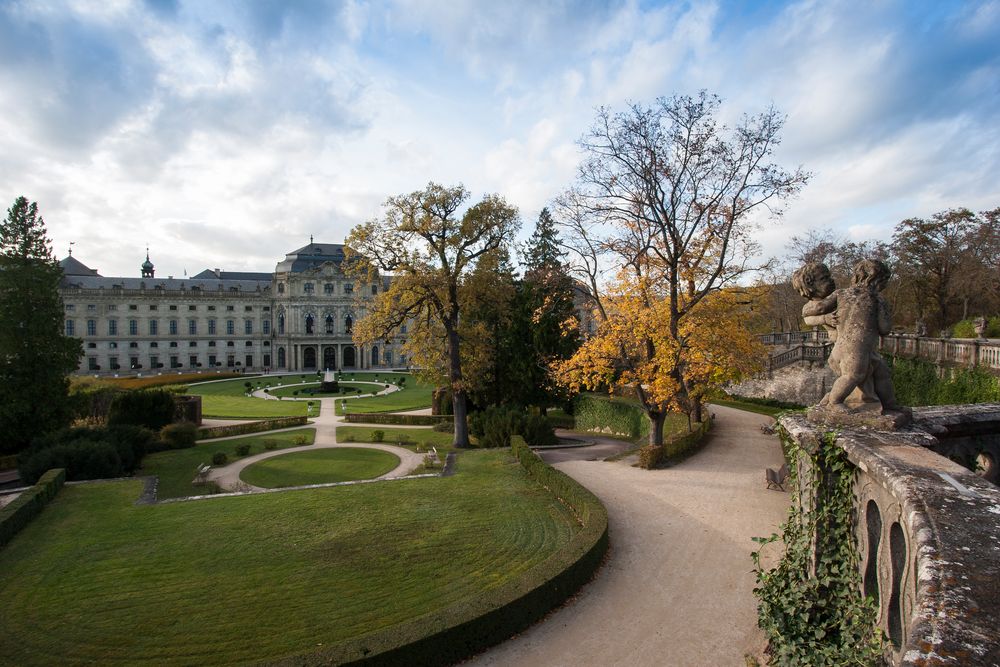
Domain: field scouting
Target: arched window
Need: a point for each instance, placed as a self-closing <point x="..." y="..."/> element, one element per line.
<point x="309" y="324"/>
<point x="281" y="357"/>
<point x="374" y="355"/>
<point x="329" y="324"/>
<point x="281" y="290"/>
<point x="348" y="324"/>
<point x="281" y="324"/>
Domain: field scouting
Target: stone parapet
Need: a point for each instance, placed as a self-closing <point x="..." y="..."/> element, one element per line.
<point x="928" y="534"/>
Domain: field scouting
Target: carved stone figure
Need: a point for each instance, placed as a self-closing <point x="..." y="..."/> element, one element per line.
<point x="860" y="316"/>
<point x="979" y="325"/>
<point x="920" y="328"/>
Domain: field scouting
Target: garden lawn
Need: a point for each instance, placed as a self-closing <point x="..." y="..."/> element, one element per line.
<point x="244" y="407"/>
<point x="413" y="396"/>
<point x="96" y="579"/>
<point x="320" y="466"/>
<point x="414" y="437"/>
<point x="177" y="468"/>
<point x="237" y="387"/>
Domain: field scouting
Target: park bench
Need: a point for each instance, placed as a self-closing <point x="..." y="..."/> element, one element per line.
<point x="776" y="478"/>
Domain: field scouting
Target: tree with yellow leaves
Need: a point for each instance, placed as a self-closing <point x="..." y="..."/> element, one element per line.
<point x="665" y="197"/>
<point x="430" y="247"/>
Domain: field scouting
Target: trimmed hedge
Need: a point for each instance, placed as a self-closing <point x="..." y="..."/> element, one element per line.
<point x="399" y="420"/>
<point x="623" y="417"/>
<point x="652" y="456"/>
<point x="88" y="452"/>
<point x="152" y="408"/>
<point x="29" y="504"/>
<point x="250" y="427"/>
<point x="468" y="627"/>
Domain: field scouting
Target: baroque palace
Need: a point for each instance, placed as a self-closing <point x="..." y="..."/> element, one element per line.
<point x="298" y="318"/>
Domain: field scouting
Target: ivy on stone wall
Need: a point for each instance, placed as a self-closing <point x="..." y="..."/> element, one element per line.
<point x="810" y="605"/>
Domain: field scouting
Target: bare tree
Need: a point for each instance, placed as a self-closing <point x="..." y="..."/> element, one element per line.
<point x="665" y="195"/>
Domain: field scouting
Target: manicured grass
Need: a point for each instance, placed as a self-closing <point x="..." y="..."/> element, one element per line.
<point x="319" y="466"/>
<point x="422" y="437"/>
<point x="237" y="387"/>
<point x="96" y="579"/>
<point x="177" y="468"/>
<point x="413" y="396"/>
<point x="243" y="407"/>
<point x="289" y="391"/>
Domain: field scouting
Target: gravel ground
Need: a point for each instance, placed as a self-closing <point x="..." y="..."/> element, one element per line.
<point x="677" y="587"/>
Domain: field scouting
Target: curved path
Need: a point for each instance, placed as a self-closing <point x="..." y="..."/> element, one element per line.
<point x="677" y="587"/>
<point x="325" y="424"/>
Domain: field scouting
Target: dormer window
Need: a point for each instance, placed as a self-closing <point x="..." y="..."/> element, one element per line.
<point x="307" y="288"/>
<point x="328" y="288"/>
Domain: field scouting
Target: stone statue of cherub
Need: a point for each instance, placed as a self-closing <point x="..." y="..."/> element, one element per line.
<point x="856" y="317"/>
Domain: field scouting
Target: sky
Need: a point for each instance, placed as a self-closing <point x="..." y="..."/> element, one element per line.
<point x="222" y="134"/>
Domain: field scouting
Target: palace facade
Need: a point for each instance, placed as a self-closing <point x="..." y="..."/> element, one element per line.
<point x="297" y="318"/>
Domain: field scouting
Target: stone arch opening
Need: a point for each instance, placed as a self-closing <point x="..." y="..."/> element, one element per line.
<point x="897" y="561"/>
<point x="281" y="357"/>
<point x="873" y="522"/>
<point x="330" y="358"/>
<point x="309" y="358"/>
<point x="350" y="359"/>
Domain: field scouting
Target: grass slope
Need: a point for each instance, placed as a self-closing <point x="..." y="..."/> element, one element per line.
<point x="176" y="468"/>
<point x="242" y="407"/>
<point x="96" y="579"/>
<point x="319" y="467"/>
<point x="423" y="437"/>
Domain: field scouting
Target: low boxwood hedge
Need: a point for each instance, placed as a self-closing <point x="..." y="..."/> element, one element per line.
<point x="468" y="627"/>
<point x="250" y="427"/>
<point x="679" y="445"/>
<point x="399" y="420"/>
<point x="29" y="504"/>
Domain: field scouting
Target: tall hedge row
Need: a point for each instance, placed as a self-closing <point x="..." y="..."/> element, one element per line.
<point x="29" y="504"/>
<point x="600" y="413"/>
<point x="917" y="382"/>
<point x="468" y="627"/>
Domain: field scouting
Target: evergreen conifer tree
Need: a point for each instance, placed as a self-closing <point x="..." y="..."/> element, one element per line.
<point x="35" y="356"/>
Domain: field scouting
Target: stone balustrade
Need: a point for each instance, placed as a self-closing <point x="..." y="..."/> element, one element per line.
<point x="928" y="531"/>
<point x="941" y="351"/>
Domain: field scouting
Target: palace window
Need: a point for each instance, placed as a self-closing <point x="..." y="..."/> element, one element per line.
<point x="153" y="327"/>
<point x="91" y="346"/>
<point x="307" y="288"/>
<point x="113" y="363"/>
<point x="192" y="327"/>
<point x="230" y="327"/>
<point x="154" y="361"/>
<point x="211" y="327"/>
<point x="112" y="327"/>
<point x="281" y="323"/>
<point x="154" y="344"/>
<point x="211" y="307"/>
<point x="91" y="327"/>
<point x="70" y="327"/>
<point x="265" y="325"/>
<point x="70" y="308"/>
<point x="112" y="306"/>
<point x="153" y="307"/>
<point x="348" y="288"/>
<point x="133" y="327"/>
<point x="248" y="327"/>
<point x="112" y="345"/>
<point x="91" y="307"/>
<point x="328" y="288"/>
<point x="374" y="290"/>
<point x="211" y="343"/>
<point x="248" y="309"/>
<point x="133" y="344"/>
<point x="173" y="308"/>
<point x="249" y="343"/>
<point x="348" y="325"/>
<point x="190" y="308"/>
<point x="309" y="324"/>
<point x="329" y="324"/>
<point x="193" y="344"/>
<point x="281" y="288"/>
<point x="173" y="327"/>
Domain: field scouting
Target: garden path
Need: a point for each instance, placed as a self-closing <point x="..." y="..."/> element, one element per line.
<point x="326" y="424"/>
<point x="677" y="588"/>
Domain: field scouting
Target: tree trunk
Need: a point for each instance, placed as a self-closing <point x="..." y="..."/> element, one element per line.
<point x="458" y="401"/>
<point x="656" y="421"/>
<point x="696" y="411"/>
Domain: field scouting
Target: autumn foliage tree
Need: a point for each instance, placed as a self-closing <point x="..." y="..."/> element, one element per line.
<point x="430" y="246"/>
<point x="665" y="196"/>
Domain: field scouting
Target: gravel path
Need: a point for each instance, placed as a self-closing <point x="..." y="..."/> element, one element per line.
<point x="677" y="587"/>
<point x="326" y="438"/>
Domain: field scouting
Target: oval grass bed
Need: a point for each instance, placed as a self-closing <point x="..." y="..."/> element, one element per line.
<point x="319" y="466"/>
<point x="366" y="389"/>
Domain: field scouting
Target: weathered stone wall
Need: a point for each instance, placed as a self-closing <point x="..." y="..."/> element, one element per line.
<point x="803" y="383"/>
<point x="928" y="536"/>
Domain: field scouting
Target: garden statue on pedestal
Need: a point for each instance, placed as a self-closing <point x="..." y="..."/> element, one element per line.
<point x="329" y="383"/>
<point x="860" y="316"/>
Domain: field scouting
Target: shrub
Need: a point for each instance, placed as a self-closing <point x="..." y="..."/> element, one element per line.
<point x="219" y="459"/>
<point x="152" y="408"/>
<point x="650" y="456"/>
<point x="242" y="450"/>
<point x="82" y="459"/>
<point x="399" y="420"/>
<point x="402" y="439"/>
<point x="538" y="431"/>
<point x="250" y="427"/>
<point x="377" y="436"/>
<point x="348" y="438"/>
<point x="300" y="440"/>
<point x="295" y="393"/>
<point x="132" y="443"/>
<point x="444" y="427"/>
<point x="270" y="445"/>
<point x="179" y="436"/>
<point x="495" y="425"/>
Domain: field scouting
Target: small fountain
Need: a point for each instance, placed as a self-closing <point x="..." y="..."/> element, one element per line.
<point x="329" y="383"/>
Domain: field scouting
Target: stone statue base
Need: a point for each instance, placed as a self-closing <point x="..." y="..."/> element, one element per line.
<point x="868" y="415"/>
